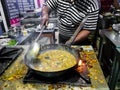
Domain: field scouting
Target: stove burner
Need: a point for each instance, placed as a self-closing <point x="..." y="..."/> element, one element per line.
<point x="72" y="78"/>
<point x="7" y="56"/>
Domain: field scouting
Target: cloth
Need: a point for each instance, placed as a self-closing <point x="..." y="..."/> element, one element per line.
<point x="71" y="14"/>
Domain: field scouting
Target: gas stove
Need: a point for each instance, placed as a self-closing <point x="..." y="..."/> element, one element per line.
<point x="74" y="77"/>
<point x="7" y="56"/>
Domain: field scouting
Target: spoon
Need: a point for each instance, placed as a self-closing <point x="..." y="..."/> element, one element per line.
<point x="35" y="47"/>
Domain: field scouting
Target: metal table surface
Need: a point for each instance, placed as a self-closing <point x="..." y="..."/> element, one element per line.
<point x="22" y="38"/>
<point x="114" y="38"/>
<point x="115" y="70"/>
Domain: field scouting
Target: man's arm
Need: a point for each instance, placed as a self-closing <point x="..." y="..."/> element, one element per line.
<point x="45" y="14"/>
<point x="82" y="35"/>
<point x="47" y="8"/>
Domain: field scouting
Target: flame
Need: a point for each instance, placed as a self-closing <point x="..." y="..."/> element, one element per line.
<point x="80" y="63"/>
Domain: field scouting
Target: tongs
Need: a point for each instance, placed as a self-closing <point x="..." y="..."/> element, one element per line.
<point x="35" y="47"/>
<point x="71" y="40"/>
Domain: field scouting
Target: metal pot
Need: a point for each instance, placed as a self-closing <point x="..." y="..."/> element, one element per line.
<point x="31" y="63"/>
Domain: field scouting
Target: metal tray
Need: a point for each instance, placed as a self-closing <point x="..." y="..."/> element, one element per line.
<point x="7" y="56"/>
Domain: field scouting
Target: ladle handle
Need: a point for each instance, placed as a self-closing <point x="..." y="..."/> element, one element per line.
<point x="41" y="31"/>
<point x="70" y="41"/>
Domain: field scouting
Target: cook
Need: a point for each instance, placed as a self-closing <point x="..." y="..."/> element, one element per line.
<point x="70" y="14"/>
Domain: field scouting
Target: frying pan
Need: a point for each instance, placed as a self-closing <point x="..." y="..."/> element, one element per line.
<point x="32" y="63"/>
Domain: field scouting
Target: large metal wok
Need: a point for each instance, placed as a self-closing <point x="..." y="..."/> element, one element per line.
<point x="32" y="64"/>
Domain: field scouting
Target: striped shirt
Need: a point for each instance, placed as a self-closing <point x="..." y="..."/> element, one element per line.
<point x="71" y="14"/>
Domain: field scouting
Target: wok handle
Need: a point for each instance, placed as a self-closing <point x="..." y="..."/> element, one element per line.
<point x="70" y="41"/>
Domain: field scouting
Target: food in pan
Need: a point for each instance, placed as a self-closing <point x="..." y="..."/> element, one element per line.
<point x="55" y="60"/>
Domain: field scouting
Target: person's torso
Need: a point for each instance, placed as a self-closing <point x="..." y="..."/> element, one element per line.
<point x="71" y="14"/>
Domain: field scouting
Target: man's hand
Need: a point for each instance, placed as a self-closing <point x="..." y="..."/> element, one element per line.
<point x="45" y="16"/>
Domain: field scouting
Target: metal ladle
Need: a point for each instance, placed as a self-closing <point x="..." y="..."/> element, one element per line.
<point x="35" y="47"/>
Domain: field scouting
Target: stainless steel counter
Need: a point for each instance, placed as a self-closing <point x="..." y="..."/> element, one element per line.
<point x="109" y="53"/>
<point x="113" y="36"/>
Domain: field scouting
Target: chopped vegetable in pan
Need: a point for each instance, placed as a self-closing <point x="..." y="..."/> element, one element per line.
<point x="55" y="60"/>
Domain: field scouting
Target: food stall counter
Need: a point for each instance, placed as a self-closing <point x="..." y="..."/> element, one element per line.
<point x="12" y="78"/>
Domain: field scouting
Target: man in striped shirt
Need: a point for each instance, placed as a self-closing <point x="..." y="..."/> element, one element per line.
<point x="70" y="14"/>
